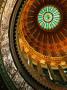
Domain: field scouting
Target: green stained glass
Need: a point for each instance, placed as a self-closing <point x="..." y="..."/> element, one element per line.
<point x="49" y="17"/>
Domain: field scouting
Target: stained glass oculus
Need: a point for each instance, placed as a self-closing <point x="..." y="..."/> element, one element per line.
<point x="49" y="17"/>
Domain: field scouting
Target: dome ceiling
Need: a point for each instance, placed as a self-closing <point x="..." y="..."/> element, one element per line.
<point x="37" y="39"/>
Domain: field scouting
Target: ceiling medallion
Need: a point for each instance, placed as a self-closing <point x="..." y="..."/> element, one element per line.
<point x="40" y="41"/>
